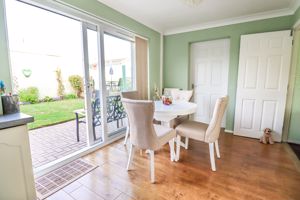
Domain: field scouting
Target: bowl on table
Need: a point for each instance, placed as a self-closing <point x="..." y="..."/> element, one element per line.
<point x="167" y="100"/>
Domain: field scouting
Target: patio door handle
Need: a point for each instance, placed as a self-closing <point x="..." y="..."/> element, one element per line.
<point x="87" y="85"/>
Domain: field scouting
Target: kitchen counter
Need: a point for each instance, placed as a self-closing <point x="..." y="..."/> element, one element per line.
<point x="16" y="172"/>
<point x="13" y="120"/>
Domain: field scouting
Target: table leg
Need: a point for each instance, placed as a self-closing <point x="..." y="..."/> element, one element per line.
<point x="169" y="124"/>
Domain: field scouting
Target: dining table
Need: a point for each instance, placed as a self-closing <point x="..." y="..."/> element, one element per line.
<point x="166" y="113"/>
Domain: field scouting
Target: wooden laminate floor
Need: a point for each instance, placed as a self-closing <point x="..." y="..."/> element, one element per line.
<point x="246" y="170"/>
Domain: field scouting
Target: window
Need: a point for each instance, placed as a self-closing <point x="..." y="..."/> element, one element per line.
<point x="119" y="64"/>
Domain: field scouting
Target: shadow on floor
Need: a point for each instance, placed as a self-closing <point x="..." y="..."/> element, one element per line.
<point x="296" y="149"/>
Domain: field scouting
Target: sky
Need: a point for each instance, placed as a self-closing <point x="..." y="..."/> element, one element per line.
<point x="35" y="31"/>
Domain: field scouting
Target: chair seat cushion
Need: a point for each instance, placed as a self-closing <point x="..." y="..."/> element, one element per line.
<point x="178" y="120"/>
<point x="192" y="129"/>
<point x="164" y="134"/>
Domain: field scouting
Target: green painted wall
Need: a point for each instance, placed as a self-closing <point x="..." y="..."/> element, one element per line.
<point x="294" y="129"/>
<point x="4" y="61"/>
<point x="110" y="15"/>
<point x="176" y="53"/>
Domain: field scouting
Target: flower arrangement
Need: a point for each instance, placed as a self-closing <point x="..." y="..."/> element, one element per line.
<point x="156" y="95"/>
<point x="167" y="100"/>
<point x="2" y="87"/>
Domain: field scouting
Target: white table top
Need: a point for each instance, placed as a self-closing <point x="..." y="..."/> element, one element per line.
<point x="168" y="112"/>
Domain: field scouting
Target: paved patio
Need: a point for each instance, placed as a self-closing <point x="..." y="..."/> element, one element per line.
<point x="53" y="142"/>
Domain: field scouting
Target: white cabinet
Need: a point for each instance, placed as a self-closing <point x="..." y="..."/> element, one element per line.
<point x="16" y="173"/>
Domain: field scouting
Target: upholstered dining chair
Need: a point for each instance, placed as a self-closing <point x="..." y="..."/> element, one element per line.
<point x="129" y="95"/>
<point x="182" y="95"/>
<point x="170" y="91"/>
<point x="144" y="134"/>
<point x="208" y="133"/>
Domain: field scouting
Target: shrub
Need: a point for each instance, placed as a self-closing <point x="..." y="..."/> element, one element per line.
<point x="30" y="94"/>
<point x="47" y="99"/>
<point x="77" y="84"/>
<point x="70" y="96"/>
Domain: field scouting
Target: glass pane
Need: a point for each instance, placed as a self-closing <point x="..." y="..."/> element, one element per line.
<point x="119" y="76"/>
<point x="119" y="72"/>
<point x="47" y="71"/>
<point x="95" y="79"/>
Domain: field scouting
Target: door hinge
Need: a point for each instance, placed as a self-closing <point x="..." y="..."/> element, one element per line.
<point x="292" y="32"/>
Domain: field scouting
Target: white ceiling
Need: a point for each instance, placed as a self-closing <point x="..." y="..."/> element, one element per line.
<point x="173" y="16"/>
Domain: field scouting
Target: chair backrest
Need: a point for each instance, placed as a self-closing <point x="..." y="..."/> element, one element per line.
<point x="170" y="91"/>
<point x="182" y="95"/>
<point x="140" y="114"/>
<point x="214" y="128"/>
<point x="130" y="95"/>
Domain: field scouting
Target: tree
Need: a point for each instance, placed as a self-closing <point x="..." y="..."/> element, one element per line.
<point x="60" y="85"/>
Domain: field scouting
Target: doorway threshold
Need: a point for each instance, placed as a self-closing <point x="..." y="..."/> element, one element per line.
<point x="39" y="171"/>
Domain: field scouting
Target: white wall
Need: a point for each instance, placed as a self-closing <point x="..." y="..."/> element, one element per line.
<point x="43" y="69"/>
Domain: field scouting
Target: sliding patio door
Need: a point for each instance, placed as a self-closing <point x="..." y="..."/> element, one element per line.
<point x="56" y="70"/>
<point x="93" y="83"/>
<point x="119" y="67"/>
<point x="79" y="66"/>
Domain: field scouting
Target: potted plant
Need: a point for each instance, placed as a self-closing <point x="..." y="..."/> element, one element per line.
<point x="2" y="91"/>
<point x="2" y="87"/>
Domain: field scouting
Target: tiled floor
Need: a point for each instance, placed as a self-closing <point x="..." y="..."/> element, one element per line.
<point x="53" y="142"/>
<point x="50" y="143"/>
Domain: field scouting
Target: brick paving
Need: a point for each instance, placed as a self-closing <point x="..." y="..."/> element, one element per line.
<point x="53" y="142"/>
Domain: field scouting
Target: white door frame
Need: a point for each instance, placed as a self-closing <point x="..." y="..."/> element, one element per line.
<point x="101" y="60"/>
<point x="87" y="93"/>
<point x="289" y="100"/>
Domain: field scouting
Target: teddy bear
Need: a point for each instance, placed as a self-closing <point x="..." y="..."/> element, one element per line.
<point x="267" y="137"/>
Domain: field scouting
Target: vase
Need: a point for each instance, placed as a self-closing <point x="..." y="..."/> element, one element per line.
<point x="10" y="104"/>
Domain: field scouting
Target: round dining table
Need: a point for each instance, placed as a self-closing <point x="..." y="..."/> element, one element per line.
<point x="166" y="113"/>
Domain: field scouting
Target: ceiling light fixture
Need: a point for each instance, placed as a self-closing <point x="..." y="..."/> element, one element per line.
<point x="192" y="2"/>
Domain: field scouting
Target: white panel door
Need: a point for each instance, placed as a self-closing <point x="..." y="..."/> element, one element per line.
<point x="262" y="83"/>
<point x="209" y="74"/>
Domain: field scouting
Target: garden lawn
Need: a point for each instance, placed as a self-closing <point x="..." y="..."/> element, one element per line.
<point x="48" y="113"/>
